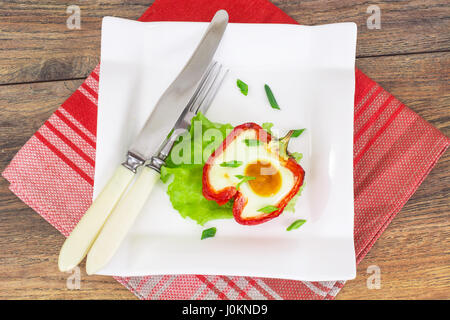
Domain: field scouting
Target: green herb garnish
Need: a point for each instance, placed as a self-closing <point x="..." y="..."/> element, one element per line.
<point x="208" y="233"/>
<point x="231" y="164"/>
<point x="296" y="224"/>
<point x="268" y="209"/>
<point x="252" y="142"/>
<point x="243" y="179"/>
<point x="242" y="86"/>
<point x="297" y="133"/>
<point x="273" y="102"/>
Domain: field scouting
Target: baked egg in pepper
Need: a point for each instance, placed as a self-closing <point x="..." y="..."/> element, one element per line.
<point x="254" y="170"/>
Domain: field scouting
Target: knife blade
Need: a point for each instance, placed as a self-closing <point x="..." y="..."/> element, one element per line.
<point x="172" y="102"/>
<point x="146" y="144"/>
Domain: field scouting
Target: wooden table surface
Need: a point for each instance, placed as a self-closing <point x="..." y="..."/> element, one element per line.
<point x="42" y="62"/>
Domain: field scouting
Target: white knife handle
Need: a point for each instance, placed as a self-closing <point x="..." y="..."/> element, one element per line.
<point x="120" y="221"/>
<point x="83" y="235"/>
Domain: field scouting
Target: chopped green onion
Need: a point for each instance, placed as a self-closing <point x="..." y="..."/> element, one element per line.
<point x="297" y="133"/>
<point x="273" y="102"/>
<point x="296" y="224"/>
<point x="243" y="179"/>
<point x="252" y="142"/>
<point x="242" y="86"/>
<point x="231" y="164"/>
<point x="268" y="209"/>
<point x="208" y="233"/>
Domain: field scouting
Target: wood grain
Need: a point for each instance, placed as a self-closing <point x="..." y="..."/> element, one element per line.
<point x="37" y="45"/>
<point x="414" y="65"/>
<point x="421" y="81"/>
<point x="406" y="26"/>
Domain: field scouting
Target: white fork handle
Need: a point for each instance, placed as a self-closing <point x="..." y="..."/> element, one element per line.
<point x="83" y="235"/>
<point x="120" y="221"/>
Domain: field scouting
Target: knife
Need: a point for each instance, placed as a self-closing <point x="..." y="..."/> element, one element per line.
<point x="124" y="214"/>
<point x="147" y="143"/>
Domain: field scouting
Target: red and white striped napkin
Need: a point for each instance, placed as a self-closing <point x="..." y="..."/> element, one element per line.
<point x="394" y="150"/>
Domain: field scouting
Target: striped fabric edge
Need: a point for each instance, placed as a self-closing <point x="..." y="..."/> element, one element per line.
<point x="199" y="287"/>
<point x="62" y="136"/>
<point x="439" y="149"/>
<point x="51" y="137"/>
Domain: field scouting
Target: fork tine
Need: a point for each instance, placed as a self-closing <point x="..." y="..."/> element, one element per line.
<point x="212" y="93"/>
<point x="208" y="90"/>
<point x="201" y="85"/>
<point x="202" y="98"/>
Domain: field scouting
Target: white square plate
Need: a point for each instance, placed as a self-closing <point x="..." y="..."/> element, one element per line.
<point x="311" y="72"/>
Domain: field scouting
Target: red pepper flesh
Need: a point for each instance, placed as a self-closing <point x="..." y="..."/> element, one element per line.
<point x="226" y="194"/>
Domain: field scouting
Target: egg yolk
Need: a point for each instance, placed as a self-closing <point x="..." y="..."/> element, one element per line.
<point x="267" y="180"/>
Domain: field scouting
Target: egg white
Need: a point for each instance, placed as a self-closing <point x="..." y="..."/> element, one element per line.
<point x="222" y="177"/>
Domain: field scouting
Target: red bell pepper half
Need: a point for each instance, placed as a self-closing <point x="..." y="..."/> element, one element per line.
<point x="232" y="192"/>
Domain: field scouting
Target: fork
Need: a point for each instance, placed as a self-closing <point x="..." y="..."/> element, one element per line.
<point x="125" y="213"/>
<point x="203" y="96"/>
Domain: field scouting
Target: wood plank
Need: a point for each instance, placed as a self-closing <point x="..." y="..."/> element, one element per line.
<point x="37" y="45"/>
<point x="412" y="253"/>
<point x="410" y="26"/>
<point x="421" y="81"/>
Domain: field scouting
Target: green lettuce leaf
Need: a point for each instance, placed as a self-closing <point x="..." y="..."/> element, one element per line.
<point x="193" y="147"/>
<point x="291" y="204"/>
<point x="185" y="193"/>
<point x="185" y="190"/>
<point x="267" y="126"/>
